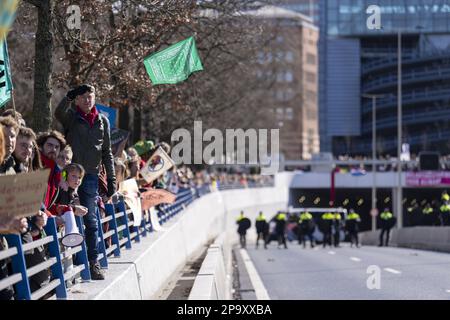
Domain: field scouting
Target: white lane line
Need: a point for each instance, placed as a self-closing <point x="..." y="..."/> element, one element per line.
<point x="331" y="252"/>
<point x="355" y="259"/>
<point x="255" y="279"/>
<point x="448" y="291"/>
<point x="392" y="270"/>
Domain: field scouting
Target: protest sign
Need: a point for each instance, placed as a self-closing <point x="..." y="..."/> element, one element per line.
<point x="21" y="195"/>
<point x="155" y="167"/>
<point x="130" y="191"/>
<point x="153" y="197"/>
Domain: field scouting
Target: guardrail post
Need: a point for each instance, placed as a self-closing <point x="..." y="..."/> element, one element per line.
<point x="101" y="242"/>
<point x="138" y="236"/>
<point x="160" y="215"/>
<point x="126" y="231"/>
<point x="81" y="257"/>
<point x="150" y="225"/>
<point x="111" y="211"/>
<point x="54" y="251"/>
<point x="22" y="288"/>
<point x="143" y="224"/>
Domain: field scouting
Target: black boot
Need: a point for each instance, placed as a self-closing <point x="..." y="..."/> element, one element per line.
<point x="96" y="271"/>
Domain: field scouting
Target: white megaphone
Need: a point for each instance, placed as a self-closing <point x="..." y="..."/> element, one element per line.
<point x="72" y="236"/>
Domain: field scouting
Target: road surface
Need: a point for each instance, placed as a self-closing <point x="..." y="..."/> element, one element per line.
<point x="342" y="273"/>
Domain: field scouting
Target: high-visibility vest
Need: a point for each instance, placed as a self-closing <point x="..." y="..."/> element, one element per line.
<point x="386" y="215"/>
<point x="427" y="210"/>
<point x="305" y="216"/>
<point x="240" y="218"/>
<point x="328" y="216"/>
<point x="445" y="208"/>
<point x="281" y="216"/>
<point x="445" y="197"/>
<point x="261" y="218"/>
<point x="353" y="216"/>
<point x="337" y="216"/>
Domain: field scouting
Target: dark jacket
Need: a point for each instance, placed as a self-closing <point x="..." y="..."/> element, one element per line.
<point x="91" y="146"/>
<point x="7" y="167"/>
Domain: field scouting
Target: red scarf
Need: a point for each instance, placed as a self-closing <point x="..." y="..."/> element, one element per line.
<point x="53" y="179"/>
<point x="89" y="117"/>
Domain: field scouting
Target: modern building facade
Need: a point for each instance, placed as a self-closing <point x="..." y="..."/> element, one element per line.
<point x="309" y="8"/>
<point x="356" y="58"/>
<point x="291" y="58"/>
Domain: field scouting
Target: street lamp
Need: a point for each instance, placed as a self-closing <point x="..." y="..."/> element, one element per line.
<point x="399" y="133"/>
<point x="374" y="152"/>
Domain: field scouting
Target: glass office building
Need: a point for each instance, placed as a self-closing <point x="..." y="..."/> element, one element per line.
<point x="357" y="60"/>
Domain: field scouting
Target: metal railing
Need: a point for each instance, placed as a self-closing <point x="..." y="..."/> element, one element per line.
<point x="116" y="232"/>
<point x="120" y="234"/>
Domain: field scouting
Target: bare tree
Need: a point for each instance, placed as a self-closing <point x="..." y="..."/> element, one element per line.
<point x="41" y="120"/>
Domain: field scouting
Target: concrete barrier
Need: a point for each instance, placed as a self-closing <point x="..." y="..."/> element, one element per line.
<point x="141" y="273"/>
<point x="425" y="238"/>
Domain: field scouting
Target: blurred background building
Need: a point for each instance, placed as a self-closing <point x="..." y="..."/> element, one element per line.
<point x="291" y="59"/>
<point x="354" y="60"/>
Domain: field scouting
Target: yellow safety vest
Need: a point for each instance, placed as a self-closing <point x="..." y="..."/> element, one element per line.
<point x="386" y="215"/>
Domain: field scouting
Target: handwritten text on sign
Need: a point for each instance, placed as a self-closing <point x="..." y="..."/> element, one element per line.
<point x="21" y="195"/>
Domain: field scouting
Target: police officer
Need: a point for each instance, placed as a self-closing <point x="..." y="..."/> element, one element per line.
<point x="352" y="227"/>
<point x="326" y="226"/>
<point x="445" y="213"/>
<point x="262" y="229"/>
<point x="387" y="219"/>
<point x="280" y="227"/>
<point x="428" y="215"/>
<point x="445" y="197"/>
<point x="337" y="226"/>
<point x="243" y="225"/>
<point x="306" y="229"/>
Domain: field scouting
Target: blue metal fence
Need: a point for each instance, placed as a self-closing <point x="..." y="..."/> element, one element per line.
<point x="119" y="235"/>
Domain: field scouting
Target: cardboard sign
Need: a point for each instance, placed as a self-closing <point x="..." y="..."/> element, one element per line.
<point x="153" y="197"/>
<point x="21" y="195"/>
<point x="130" y="191"/>
<point x="155" y="167"/>
<point x="119" y="140"/>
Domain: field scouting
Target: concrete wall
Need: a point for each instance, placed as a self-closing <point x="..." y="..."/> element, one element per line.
<point x="144" y="273"/>
<point x="426" y="238"/>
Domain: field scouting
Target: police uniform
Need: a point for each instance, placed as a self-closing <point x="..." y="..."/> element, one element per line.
<point x="445" y="214"/>
<point x="386" y="225"/>
<point x="337" y="224"/>
<point x="326" y="225"/>
<point x="352" y="227"/>
<point x="262" y="229"/>
<point x="306" y="228"/>
<point x="280" y="228"/>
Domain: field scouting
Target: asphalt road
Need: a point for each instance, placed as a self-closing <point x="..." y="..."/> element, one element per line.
<point x="342" y="273"/>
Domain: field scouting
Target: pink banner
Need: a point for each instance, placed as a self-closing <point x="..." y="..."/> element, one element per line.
<point x="427" y="178"/>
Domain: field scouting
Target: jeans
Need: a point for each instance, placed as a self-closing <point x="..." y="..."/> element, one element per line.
<point x="88" y="193"/>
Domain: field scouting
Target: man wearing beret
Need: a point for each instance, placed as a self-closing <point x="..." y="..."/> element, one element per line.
<point x="87" y="132"/>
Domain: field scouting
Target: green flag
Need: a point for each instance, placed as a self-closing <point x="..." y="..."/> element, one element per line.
<point x="173" y="64"/>
<point x="5" y="75"/>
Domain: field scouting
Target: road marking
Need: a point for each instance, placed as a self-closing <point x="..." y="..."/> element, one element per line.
<point x="255" y="279"/>
<point x="331" y="252"/>
<point x="392" y="270"/>
<point x="448" y="291"/>
<point x="355" y="259"/>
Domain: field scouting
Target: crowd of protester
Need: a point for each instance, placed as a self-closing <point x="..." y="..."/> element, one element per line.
<point x="83" y="175"/>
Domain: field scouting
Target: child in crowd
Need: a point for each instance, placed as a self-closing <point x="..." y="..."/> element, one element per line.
<point x="65" y="157"/>
<point x="67" y="202"/>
